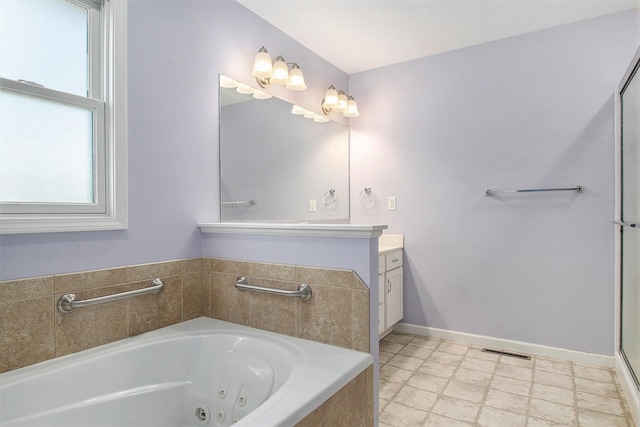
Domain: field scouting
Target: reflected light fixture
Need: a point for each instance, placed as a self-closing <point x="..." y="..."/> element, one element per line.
<point x="339" y="102"/>
<point x="277" y="72"/>
<point x="299" y="111"/>
<point x="229" y="83"/>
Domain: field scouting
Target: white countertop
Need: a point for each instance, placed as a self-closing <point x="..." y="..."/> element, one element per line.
<point x="389" y="243"/>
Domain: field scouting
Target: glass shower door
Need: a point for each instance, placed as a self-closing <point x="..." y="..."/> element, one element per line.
<point x="630" y="224"/>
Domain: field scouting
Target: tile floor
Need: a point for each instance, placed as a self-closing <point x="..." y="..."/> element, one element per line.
<point x="430" y="382"/>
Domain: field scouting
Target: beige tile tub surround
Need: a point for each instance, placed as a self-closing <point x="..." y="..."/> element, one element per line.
<point x="337" y="314"/>
<point x="32" y="330"/>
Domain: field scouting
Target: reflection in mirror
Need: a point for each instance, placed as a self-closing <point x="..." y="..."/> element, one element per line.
<point x="279" y="166"/>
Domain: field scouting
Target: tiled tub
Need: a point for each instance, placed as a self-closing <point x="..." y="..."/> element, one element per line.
<point x="202" y="372"/>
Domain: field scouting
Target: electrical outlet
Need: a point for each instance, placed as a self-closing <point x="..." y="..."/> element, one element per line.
<point x="391" y="203"/>
<point x="312" y="205"/>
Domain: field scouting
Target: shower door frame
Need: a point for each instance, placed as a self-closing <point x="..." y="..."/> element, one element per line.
<point x="625" y="376"/>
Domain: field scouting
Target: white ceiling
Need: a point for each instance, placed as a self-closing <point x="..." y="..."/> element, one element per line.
<point x="359" y="35"/>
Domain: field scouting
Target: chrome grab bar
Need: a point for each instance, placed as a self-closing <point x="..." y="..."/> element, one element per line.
<point x="577" y="189"/>
<point x="68" y="302"/>
<point x="304" y="290"/>
<point x="627" y="224"/>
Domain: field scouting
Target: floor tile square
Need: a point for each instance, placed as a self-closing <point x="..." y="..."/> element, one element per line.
<point x="507" y="401"/>
<point x="556" y="366"/>
<point x="405" y="362"/>
<point x="418" y="352"/>
<point x="453" y="348"/>
<point x="593" y="373"/>
<point x="598" y="419"/>
<point x="428" y="382"/>
<point x="397" y="415"/>
<point x="458" y="409"/>
<point x="478" y="364"/>
<point x="511" y="385"/>
<point x="434" y="420"/>
<point x="425" y="342"/>
<point x="472" y="377"/>
<point x="492" y="417"/>
<point x="556" y="380"/>
<point x="593" y="402"/>
<point x="446" y="358"/>
<point x="393" y="374"/>
<point x="416" y="398"/>
<point x="553" y="394"/>
<point x="550" y="411"/>
<point x="515" y="372"/>
<point x="465" y="391"/>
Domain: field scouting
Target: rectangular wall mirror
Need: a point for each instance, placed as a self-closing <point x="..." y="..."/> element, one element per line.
<point x="276" y="166"/>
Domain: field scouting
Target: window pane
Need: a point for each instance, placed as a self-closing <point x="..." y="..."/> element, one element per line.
<point x="46" y="151"/>
<point x="45" y="41"/>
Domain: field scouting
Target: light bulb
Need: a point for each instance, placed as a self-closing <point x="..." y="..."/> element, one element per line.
<point x="342" y="103"/>
<point x="352" y="108"/>
<point x="280" y="72"/>
<point x="296" y="79"/>
<point x="262" y="67"/>
<point x="330" y="98"/>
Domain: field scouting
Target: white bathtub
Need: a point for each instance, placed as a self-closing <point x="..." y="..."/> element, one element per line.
<point x="202" y="372"/>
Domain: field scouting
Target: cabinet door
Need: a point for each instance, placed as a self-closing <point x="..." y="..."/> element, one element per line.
<point x="394" y="297"/>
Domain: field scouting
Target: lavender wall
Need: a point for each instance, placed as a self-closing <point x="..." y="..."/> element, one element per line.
<point x="529" y="111"/>
<point x="176" y="49"/>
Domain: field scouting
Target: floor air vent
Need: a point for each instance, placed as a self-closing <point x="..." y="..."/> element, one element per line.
<point x="506" y="353"/>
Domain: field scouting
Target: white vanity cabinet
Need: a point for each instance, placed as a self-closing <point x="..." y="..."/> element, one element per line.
<point x="390" y="280"/>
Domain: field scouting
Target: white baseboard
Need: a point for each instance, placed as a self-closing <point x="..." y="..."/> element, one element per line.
<point x="508" y="345"/>
<point x="628" y="387"/>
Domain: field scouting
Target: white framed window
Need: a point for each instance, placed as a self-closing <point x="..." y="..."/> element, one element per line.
<point x="63" y="133"/>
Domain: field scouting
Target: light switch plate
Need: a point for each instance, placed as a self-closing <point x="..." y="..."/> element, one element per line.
<point x="391" y="203"/>
<point x="312" y="205"/>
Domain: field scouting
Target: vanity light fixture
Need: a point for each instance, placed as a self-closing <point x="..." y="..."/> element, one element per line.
<point x="339" y="102"/>
<point x="277" y="72"/>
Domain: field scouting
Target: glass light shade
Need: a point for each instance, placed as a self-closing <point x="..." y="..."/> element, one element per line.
<point x="298" y="110"/>
<point x="352" y="108"/>
<point x="342" y="103"/>
<point x="227" y="82"/>
<point x="320" y="119"/>
<point x="330" y="98"/>
<point x="296" y="79"/>
<point x="280" y="72"/>
<point x="258" y="94"/>
<point x="245" y="89"/>
<point x="262" y="67"/>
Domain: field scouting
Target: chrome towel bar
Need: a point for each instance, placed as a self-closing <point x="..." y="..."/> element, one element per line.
<point x="304" y="290"/>
<point x="68" y="302"/>
<point x="239" y="202"/>
<point x="576" y="189"/>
